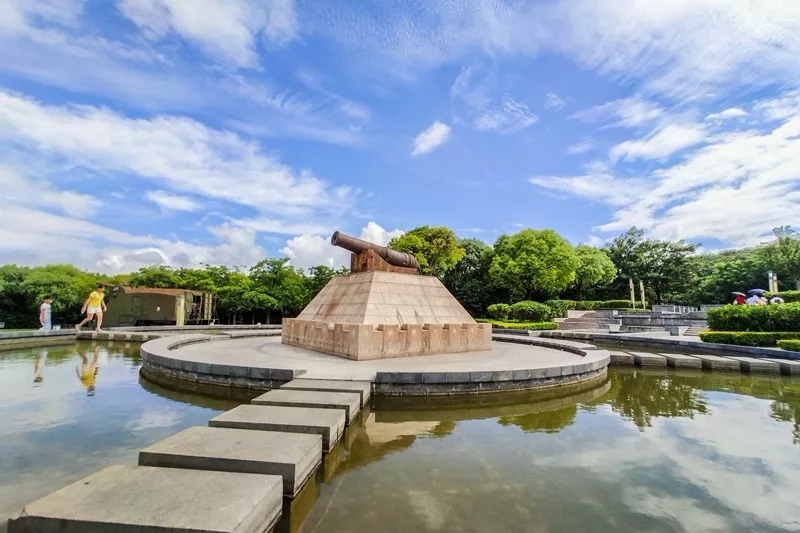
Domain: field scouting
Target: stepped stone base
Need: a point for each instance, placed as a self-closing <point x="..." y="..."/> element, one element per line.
<point x="362" y="342"/>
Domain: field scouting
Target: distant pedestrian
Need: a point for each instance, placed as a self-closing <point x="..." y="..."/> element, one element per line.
<point x="739" y="300"/>
<point x="755" y="299"/>
<point x="45" y="314"/>
<point x="776" y="300"/>
<point x="94" y="306"/>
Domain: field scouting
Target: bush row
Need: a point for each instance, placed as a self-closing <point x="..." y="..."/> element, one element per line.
<point x="536" y="312"/>
<point x="789" y="296"/>
<point x="784" y="317"/>
<point x="792" y="345"/>
<point x="536" y="326"/>
<point x="766" y="339"/>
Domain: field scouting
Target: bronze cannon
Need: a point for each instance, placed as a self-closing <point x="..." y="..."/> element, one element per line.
<point x="358" y="247"/>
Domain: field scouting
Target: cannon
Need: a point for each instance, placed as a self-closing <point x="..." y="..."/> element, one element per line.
<point x="358" y="246"/>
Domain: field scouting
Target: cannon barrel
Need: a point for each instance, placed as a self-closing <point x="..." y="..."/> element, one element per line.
<point x="393" y="257"/>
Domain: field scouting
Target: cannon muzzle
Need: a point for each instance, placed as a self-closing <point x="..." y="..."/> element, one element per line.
<point x="393" y="257"/>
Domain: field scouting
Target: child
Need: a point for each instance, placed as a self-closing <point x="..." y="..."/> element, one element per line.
<point x="45" y="314"/>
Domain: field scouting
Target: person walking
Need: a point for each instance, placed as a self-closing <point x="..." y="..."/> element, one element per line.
<point x="45" y="314"/>
<point x="94" y="306"/>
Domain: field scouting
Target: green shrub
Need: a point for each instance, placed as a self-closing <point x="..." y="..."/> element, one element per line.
<point x="793" y="345"/>
<point x="765" y="339"/>
<point x="614" y="304"/>
<point x="536" y="326"/>
<point x="558" y="308"/>
<point x="530" y="311"/>
<point x="499" y="311"/>
<point x="784" y="317"/>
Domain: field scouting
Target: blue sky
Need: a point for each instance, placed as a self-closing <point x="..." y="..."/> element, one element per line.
<point x="183" y="132"/>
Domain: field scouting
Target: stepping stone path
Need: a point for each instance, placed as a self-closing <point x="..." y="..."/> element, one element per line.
<point x="245" y="462"/>
<point x="364" y="388"/>
<point x="349" y="401"/>
<point x="622" y="358"/>
<point x="293" y="456"/>
<point x="789" y="367"/>
<point x="676" y="360"/>
<point x="141" y="499"/>
<point x="649" y="359"/>
<point x="329" y="423"/>
<point x="753" y="364"/>
<point x="715" y="363"/>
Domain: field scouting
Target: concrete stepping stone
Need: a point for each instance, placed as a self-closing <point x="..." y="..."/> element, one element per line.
<point x="790" y="367"/>
<point x="716" y="363"/>
<point x="753" y="364"/>
<point x="649" y="359"/>
<point x="622" y="358"/>
<point x="350" y="402"/>
<point x="364" y="388"/>
<point x="677" y="360"/>
<point x="142" y="499"/>
<point x="329" y="423"/>
<point x="293" y="456"/>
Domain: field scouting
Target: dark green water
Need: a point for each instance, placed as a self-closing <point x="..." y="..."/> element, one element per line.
<point x="644" y="452"/>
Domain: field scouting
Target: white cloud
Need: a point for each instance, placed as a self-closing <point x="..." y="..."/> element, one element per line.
<point x="629" y="112"/>
<point x="19" y="190"/>
<point x="172" y="202"/>
<point x="581" y="147"/>
<point x="481" y="98"/>
<point x="553" y="101"/>
<point x="309" y="250"/>
<point x="181" y="153"/>
<point x="731" y="112"/>
<point x="428" y="140"/>
<point x="732" y="186"/>
<point x="226" y="29"/>
<point x="662" y="142"/>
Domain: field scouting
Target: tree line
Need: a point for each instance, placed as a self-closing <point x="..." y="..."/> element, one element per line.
<point x="531" y="264"/>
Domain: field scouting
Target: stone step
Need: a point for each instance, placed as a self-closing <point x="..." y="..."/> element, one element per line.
<point x="329" y="423"/>
<point x="350" y="402"/>
<point x="753" y="364"/>
<point x="293" y="456"/>
<point x="717" y="363"/>
<point x="622" y="358"/>
<point x="143" y="499"/>
<point x="364" y="388"/>
<point x="789" y="367"/>
<point x="676" y="360"/>
<point x="649" y="359"/>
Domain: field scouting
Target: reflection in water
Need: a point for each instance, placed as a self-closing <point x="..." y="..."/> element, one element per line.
<point x="52" y="433"/>
<point x="645" y="451"/>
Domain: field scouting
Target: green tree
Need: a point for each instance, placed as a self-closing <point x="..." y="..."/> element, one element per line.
<point x="595" y="268"/>
<point x="533" y="263"/>
<point x="469" y="279"/>
<point x="318" y="277"/>
<point x="784" y="253"/>
<point x="436" y="248"/>
<point x="156" y="277"/>
<point x="667" y="269"/>
<point x="284" y="283"/>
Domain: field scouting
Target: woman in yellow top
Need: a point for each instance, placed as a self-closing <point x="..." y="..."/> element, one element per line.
<point x="94" y="307"/>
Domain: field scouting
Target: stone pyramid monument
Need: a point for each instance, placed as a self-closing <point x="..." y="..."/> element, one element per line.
<point x="384" y="308"/>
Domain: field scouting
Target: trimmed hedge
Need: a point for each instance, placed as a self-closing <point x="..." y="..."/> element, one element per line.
<point x="560" y="307"/>
<point x="783" y="317"/>
<point x="499" y="311"/>
<point x="536" y="326"/>
<point x="792" y="345"/>
<point x="765" y="339"/>
<point x="531" y="311"/>
<point x="788" y="296"/>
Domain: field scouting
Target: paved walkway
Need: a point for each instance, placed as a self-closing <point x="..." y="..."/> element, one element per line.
<point x="269" y="352"/>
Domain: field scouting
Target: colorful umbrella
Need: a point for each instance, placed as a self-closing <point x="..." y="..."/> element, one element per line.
<point x="756" y="291"/>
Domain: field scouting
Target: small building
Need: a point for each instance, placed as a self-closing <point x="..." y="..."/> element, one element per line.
<point x="129" y="306"/>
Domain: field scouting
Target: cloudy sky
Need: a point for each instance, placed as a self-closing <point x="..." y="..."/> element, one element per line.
<point x="135" y="132"/>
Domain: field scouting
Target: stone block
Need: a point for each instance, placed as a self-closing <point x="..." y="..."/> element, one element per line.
<point x="349" y="402"/>
<point x="753" y="365"/>
<point x="788" y="366"/>
<point x="363" y="388"/>
<point x="140" y="499"/>
<point x="649" y="359"/>
<point x="328" y="423"/>
<point x="293" y="456"/>
<point x="676" y="360"/>
<point x="622" y="358"/>
<point x="717" y="363"/>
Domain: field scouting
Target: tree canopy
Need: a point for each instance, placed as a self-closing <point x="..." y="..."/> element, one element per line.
<point x="436" y="248"/>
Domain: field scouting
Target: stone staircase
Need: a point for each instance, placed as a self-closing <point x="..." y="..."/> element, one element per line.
<point x="587" y="320"/>
<point x="695" y="330"/>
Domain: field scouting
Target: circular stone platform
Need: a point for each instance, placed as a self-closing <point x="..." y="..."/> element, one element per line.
<point x="257" y="361"/>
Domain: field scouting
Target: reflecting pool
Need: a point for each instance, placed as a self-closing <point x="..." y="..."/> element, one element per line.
<point x="655" y="451"/>
<point x="69" y="411"/>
